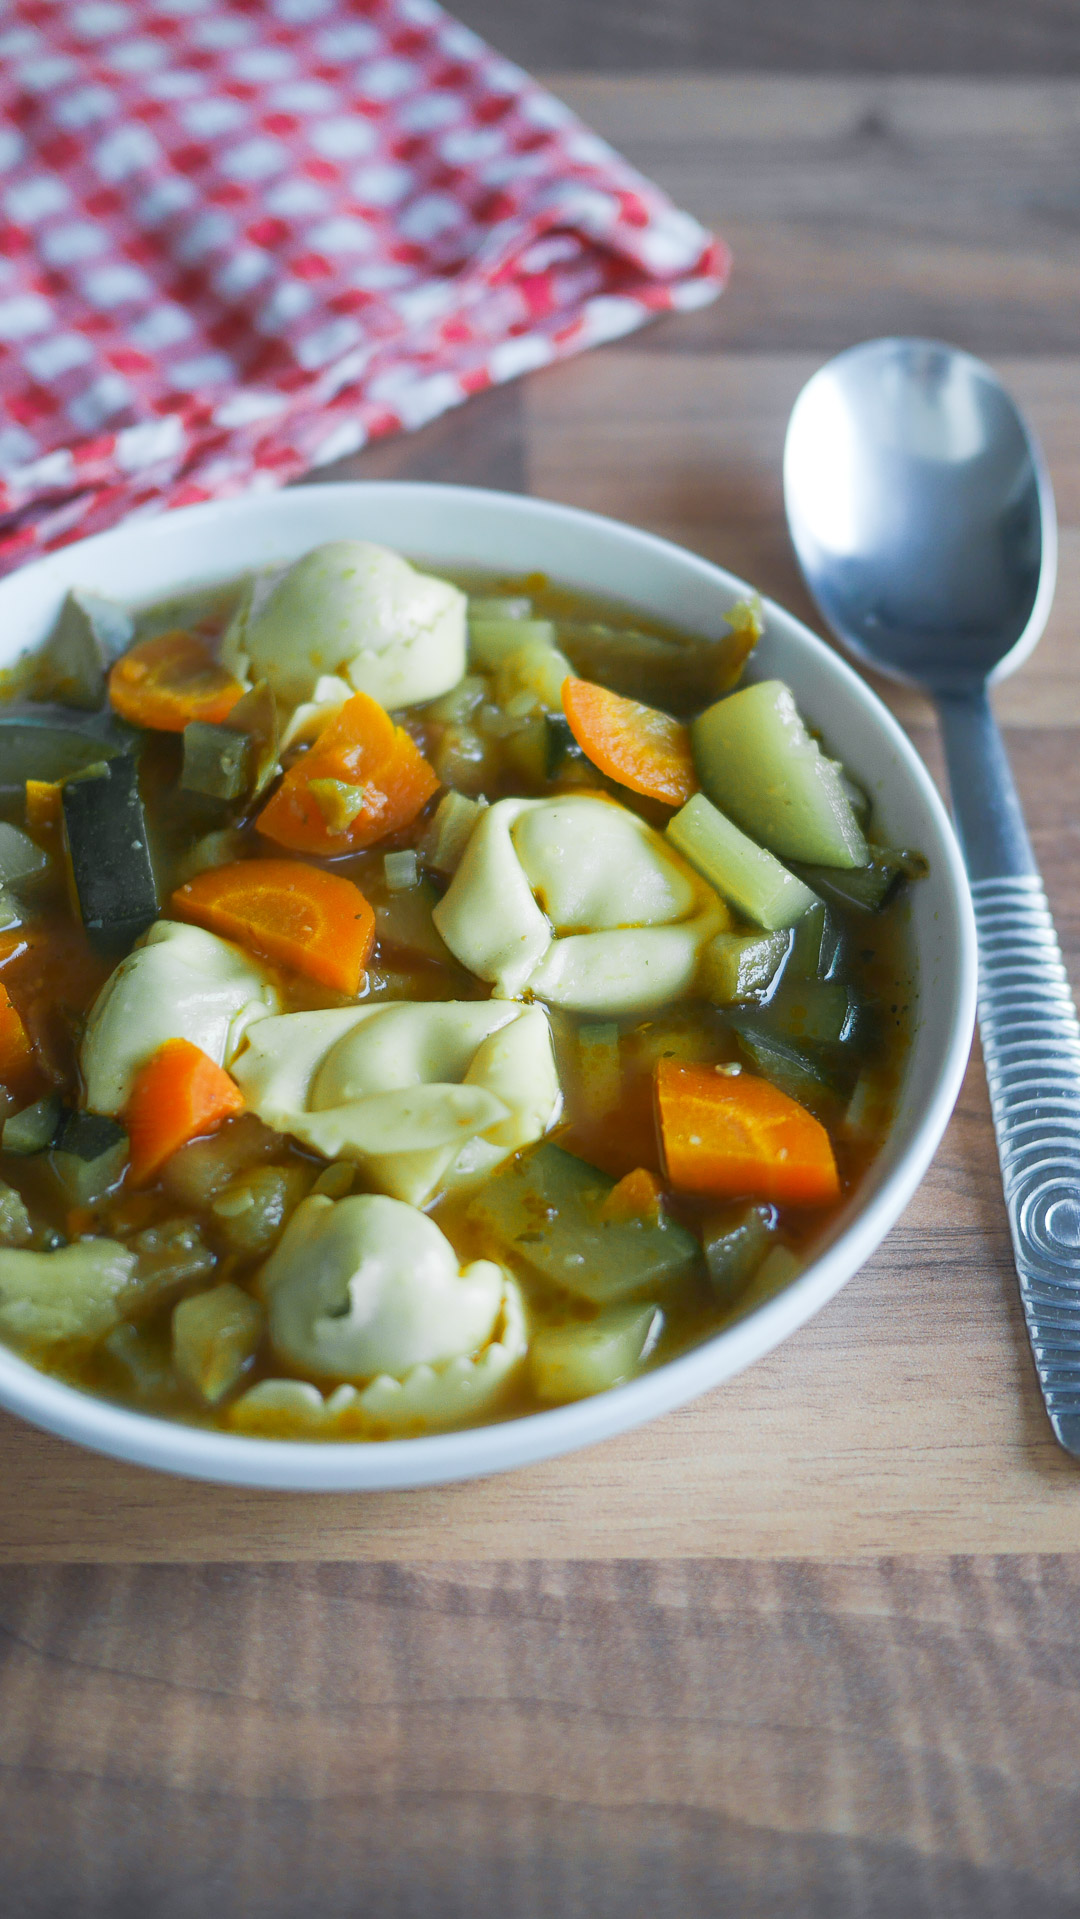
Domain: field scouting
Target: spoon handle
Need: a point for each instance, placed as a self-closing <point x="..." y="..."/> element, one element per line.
<point x="1031" y="1046"/>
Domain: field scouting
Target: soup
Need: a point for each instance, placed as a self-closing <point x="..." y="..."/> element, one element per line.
<point x="422" y="1001"/>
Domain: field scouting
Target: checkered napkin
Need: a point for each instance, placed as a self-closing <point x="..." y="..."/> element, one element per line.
<point x="239" y="238"/>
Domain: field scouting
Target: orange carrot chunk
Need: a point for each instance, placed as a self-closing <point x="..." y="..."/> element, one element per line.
<point x="180" y="1094"/>
<point x="637" y="1196"/>
<point x="167" y="682"/>
<point x="735" y="1136"/>
<point x="363" y="778"/>
<point x="18" y="1066"/>
<point x="318" y="923"/>
<point x="639" y="747"/>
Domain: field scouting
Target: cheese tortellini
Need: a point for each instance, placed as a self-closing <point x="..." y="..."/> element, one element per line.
<point x="418" y="1094"/>
<point x="180" y="983"/>
<point x="359" y="612"/>
<point x="370" y="1292"/>
<point x="577" y="901"/>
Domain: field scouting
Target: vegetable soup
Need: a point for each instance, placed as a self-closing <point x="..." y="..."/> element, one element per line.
<point x="422" y="1001"/>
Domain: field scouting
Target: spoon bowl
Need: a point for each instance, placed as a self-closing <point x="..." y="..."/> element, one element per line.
<point x="922" y="513"/>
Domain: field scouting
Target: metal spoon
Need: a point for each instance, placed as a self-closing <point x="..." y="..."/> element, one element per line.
<point x="922" y="514"/>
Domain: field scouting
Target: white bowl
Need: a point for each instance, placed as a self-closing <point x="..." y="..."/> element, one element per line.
<point x="464" y="527"/>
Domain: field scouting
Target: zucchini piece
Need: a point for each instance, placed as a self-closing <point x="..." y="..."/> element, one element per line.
<point x="544" y="1209"/>
<point x="757" y="762"/>
<point x="89" y="1155"/>
<point x="405" y="921"/>
<point x="818" y="947"/>
<point x="214" y="1337"/>
<point x="816" y="1012"/>
<point x="574" y="1361"/>
<point x="52" y="745"/>
<point x="72" y="666"/>
<point x="457" y="707"/>
<point x="735" y="1244"/>
<point x="105" y="834"/>
<point x="21" y="859"/>
<point x="214" y="849"/>
<point x="490" y="641"/>
<point x="777" y="1270"/>
<point x="676" y="674"/>
<point x="743" y="966"/>
<point x="217" y="761"/>
<point x="560" y="744"/>
<point x="32" y="1130"/>
<point x="530" y="679"/>
<point x="869" y="888"/>
<point x="792" y="1068"/>
<point x="12" y="912"/>
<point x="755" y="884"/>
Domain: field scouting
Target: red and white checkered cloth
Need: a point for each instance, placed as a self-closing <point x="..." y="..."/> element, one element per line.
<point x="239" y="238"/>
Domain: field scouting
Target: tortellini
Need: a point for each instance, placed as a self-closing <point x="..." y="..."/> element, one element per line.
<point x="47" y="1299"/>
<point x="418" y="1094"/>
<point x="577" y="901"/>
<point x="364" y="1286"/>
<point x="180" y="983"/>
<point x="354" y="610"/>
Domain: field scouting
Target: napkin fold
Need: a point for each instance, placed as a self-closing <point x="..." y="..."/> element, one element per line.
<point x="240" y="238"/>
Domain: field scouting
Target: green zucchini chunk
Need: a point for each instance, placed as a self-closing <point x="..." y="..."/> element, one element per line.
<point x="871" y="887"/>
<point x="51" y="744"/>
<point x="72" y="666"/>
<point x="544" y="1209"/>
<point x="742" y="966"/>
<point x="573" y="1361"/>
<point x="757" y="762"/>
<point x="559" y="744"/>
<point x="88" y="1156"/>
<point x="217" y="761"/>
<point x="105" y="831"/>
<point x="757" y="886"/>
<point x="736" y="1241"/>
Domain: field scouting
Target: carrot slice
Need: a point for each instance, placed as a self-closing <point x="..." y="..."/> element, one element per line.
<point x="44" y="805"/>
<point x="637" y="1196"/>
<point x="18" y="1066"/>
<point x="180" y="1094"/>
<point x="167" y="682"/>
<point x="738" y="1136"/>
<point x="363" y="778"/>
<point x="318" y="923"/>
<point x="636" y="745"/>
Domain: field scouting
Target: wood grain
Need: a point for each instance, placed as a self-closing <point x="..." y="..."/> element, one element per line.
<point x="896" y="1741"/>
<point x="832" y="36"/>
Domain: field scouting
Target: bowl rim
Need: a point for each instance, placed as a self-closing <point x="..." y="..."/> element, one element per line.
<point x="398" y="1464"/>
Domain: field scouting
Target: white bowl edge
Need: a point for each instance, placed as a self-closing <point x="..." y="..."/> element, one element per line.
<point x="518" y="534"/>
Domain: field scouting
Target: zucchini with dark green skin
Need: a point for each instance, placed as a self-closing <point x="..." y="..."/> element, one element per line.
<point x="51" y="744"/>
<point x="105" y="833"/>
<point x="88" y="1156"/>
<point x="35" y="1128"/>
<point x="217" y="761"/>
<point x="866" y="889"/>
<point x="73" y="664"/>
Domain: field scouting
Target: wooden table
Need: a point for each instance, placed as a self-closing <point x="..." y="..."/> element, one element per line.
<point x="811" y="1645"/>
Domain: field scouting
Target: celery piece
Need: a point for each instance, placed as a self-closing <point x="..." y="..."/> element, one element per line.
<point x="868" y="888"/>
<point x="735" y="1243"/>
<point x="400" y="871"/>
<point x="513" y="607"/>
<point x="573" y="1361"/>
<point x="756" y="761"/>
<point x="32" y="1130"/>
<point x="530" y="678"/>
<point x="21" y="859"/>
<point x="794" y="1070"/>
<point x="215" y="1335"/>
<point x="217" y="761"/>
<point x="742" y="966"/>
<point x="755" y="883"/>
<point x="491" y="640"/>
<point x="544" y="1209"/>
